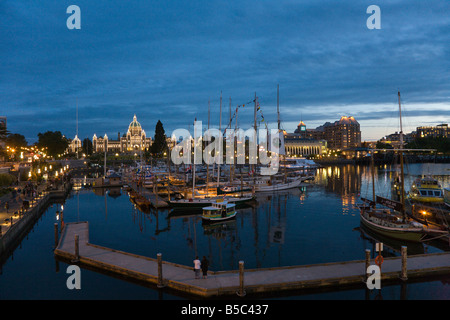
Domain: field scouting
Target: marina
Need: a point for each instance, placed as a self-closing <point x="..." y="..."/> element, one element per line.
<point x="282" y="231"/>
<point x="225" y="155"/>
<point x="226" y="283"/>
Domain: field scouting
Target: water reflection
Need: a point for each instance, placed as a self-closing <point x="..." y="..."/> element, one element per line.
<point x="315" y="223"/>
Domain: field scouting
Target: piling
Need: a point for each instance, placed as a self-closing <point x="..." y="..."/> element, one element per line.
<point x="367" y="263"/>
<point x="160" y="277"/>
<point x="403" y="274"/>
<point x="241" y="292"/>
<point x="56" y="235"/>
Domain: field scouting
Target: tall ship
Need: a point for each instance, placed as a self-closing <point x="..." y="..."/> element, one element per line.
<point x="391" y="219"/>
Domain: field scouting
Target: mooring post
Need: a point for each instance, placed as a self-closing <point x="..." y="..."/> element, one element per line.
<point x="403" y="275"/>
<point x="367" y="263"/>
<point x="160" y="277"/>
<point x="56" y="235"/>
<point x="241" y="292"/>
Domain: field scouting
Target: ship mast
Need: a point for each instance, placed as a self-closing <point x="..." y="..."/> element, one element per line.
<point x="220" y="156"/>
<point x="402" y="193"/>
<point x="207" y="164"/>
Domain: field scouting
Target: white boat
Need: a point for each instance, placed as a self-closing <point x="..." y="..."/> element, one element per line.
<point x="298" y="163"/>
<point x="264" y="185"/>
<point x="219" y="211"/>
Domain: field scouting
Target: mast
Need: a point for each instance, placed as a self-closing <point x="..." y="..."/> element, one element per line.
<point x="77" y="130"/>
<point x="279" y="131"/>
<point x="231" y="137"/>
<point x="372" y="165"/>
<point x="220" y="129"/>
<point x="256" y="137"/>
<point x="278" y="106"/>
<point x="195" y="153"/>
<point x="104" y="165"/>
<point x="207" y="164"/>
<point x="402" y="184"/>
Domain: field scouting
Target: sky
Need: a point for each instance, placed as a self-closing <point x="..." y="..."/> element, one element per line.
<point x="164" y="60"/>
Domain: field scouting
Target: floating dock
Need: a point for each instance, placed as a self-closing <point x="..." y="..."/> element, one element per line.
<point x="222" y="283"/>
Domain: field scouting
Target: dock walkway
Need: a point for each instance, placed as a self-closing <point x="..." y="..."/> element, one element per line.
<point x="181" y="278"/>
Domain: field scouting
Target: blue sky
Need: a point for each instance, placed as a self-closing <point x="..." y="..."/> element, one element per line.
<point x="163" y="60"/>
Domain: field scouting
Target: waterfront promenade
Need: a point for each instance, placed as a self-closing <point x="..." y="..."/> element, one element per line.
<point x="225" y="283"/>
<point x="20" y="218"/>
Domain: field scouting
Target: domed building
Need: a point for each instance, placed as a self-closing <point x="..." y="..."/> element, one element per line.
<point x="134" y="140"/>
<point x="302" y="144"/>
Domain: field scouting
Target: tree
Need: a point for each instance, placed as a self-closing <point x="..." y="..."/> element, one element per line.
<point x="441" y="144"/>
<point x="16" y="140"/>
<point x="3" y="132"/>
<point x="87" y="147"/>
<point x="55" y="142"/>
<point x="159" y="145"/>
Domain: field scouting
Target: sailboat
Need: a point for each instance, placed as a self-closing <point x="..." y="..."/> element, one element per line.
<point x="268" y="184"/>
<point x="391" y="219"/>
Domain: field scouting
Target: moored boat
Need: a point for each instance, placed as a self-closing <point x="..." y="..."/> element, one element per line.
<point x="447" y="196"/>
<point x="426" y="190"/>
<point x="391" y="219"/>
<point x="219" y="211"/>
<point x="391" y="223"/>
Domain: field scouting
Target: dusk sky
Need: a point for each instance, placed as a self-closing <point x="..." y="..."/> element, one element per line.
<point x="163" y="60"/>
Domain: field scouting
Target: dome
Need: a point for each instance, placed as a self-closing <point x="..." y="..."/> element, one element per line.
<point x="301" y="124"/>
<point x="134" y="123"/>
<point x="348" y="120"/>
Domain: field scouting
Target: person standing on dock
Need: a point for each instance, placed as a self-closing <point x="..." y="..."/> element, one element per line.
<point x="204" y="265"/>
<point x="197" y="265"/>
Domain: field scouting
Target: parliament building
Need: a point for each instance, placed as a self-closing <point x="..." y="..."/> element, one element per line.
<point x="134" y="140"/>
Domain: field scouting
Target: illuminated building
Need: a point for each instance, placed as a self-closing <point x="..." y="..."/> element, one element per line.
<point x="301" y="144"/>
<point x="440" y="130"/>
<point x="134" y="140"/>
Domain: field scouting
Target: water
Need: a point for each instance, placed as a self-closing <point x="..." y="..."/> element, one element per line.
<point x="316" y="223"/>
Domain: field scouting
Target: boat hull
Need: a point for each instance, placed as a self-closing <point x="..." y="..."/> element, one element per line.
<point x="200" y="204"/>
<point x="407" y="234"/>
<point x="218" y="218"/>
<point x="277" y="187"/>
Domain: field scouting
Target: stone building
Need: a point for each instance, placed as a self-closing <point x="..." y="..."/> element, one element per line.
<point x="134" y="140"/>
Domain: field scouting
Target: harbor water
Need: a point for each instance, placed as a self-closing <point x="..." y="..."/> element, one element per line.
<point x="315" y="223"/>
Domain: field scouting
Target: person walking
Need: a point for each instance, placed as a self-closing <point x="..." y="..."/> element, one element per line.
<point x="197" y="265"/>
<point x="204" y="265"/>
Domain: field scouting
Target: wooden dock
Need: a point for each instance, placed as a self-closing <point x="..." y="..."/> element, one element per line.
<point x="225" y="283"/>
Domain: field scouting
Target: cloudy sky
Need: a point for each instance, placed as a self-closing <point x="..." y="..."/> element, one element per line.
<point x="165" y="59"/>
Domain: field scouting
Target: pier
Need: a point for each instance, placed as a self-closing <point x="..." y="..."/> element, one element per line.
<point x="73" y="245"/>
